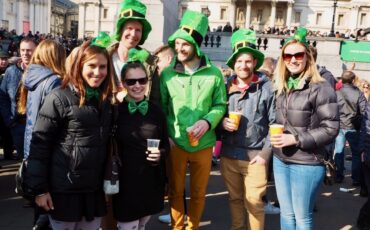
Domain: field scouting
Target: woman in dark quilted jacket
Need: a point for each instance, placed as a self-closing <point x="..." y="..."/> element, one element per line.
<point x="306" y="106"/>
<point x="68" y="147"/>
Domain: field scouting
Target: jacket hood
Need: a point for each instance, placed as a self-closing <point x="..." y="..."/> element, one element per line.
<point x="34" y="75"/>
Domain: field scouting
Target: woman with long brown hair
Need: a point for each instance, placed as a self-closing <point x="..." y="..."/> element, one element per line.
<point x="306" y="105"/>
<point x="68" y="148"/>
<point x="43" y="74"/>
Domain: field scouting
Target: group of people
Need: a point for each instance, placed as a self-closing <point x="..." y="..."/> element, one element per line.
<point x="61" y="112"/>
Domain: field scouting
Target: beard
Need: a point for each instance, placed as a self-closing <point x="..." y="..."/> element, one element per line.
<point x="186" y="58"/>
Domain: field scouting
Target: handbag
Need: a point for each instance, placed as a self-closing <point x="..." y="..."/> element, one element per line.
<point x="111" y="177"/>
<point x="20" y="186"/>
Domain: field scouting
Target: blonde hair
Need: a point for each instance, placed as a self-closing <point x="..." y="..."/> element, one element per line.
<point x="50" y="54"/>
<point x="282" y="74"/>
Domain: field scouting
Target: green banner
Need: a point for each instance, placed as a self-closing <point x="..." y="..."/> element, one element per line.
<point x="355" y="51"/>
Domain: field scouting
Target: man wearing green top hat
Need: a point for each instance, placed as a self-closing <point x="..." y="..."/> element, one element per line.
<point x="194" y="101"/>
<point x="132" y="29"/>
<point x="246" y="148"/>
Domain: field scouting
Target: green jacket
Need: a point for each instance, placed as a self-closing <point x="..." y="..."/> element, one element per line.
<point x="188" y="98"/>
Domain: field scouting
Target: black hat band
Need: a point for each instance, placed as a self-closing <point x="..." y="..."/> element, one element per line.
<point x="243" y="44"/>
<point x="131" y="13"/>
<point x="194" y="34"/>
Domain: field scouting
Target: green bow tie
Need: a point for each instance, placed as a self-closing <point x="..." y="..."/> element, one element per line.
<point x="92" y="92"/>
<point x="142" y="107"/>
<point x="293" y="82"/>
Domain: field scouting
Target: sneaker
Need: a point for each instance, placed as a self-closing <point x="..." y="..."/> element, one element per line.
<point x="165" y="218"/>
<point x="270" y="209"/>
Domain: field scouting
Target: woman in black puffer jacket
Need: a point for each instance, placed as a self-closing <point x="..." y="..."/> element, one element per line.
<point x="306" y="106"/>
<point x="68" y="148"/>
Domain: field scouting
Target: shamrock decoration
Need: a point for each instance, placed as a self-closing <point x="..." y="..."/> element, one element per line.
<point x="103" y="40"/>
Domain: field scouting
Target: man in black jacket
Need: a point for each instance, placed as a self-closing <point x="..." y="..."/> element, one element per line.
<point x="351" y="103"/>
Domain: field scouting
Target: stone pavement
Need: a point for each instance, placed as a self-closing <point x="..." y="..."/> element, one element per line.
<point x="336" y="209"/>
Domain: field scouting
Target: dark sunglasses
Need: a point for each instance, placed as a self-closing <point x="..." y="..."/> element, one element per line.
<point x="298" y="56"/>
<point x="131" y="82"/>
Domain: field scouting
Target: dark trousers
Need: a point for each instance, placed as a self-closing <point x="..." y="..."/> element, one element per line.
<point x="363" y="221"/>
<point x="6" y="139"/>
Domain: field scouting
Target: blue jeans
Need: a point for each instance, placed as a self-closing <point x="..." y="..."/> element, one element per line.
<point x="352" y="136"/>
<point x="296" y="187"/>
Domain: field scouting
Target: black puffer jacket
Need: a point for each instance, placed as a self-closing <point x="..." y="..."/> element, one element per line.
<point x="313" y="113"/>
<point x="351" y="103"/>
<point x="68" y="147"/>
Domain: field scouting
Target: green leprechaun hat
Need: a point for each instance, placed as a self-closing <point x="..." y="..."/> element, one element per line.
<point x="132" y="10"/>
<point x="299" y="35"/>
<point x="193" y="27"/>
<point x="244" y="41"/>
<point x="103" y="40"/>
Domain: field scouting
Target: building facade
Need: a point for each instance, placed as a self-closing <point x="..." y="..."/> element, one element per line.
<point x="64" y="18"/>
<point x="314" y="14"/>
<point x="25" y="15"/>
<point x="45" y="16"/>
<point x="101" y="15"/>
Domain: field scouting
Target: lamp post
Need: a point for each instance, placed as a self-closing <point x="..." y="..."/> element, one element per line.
<point x="332" y="34"/>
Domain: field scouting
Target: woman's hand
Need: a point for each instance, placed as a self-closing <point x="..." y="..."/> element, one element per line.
<point x="282" y="140"/>
<point x="228" y="124"/>
<point x="153" y="155"/>
<point x="44" y="201"/>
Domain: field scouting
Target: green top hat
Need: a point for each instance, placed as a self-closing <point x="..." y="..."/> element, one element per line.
<point x="299" y="35"/>
<point x="244" y="41"/>
<point x="132" y="10"/>
<point x="193" y="27"/>
<point x="102" y="40"/>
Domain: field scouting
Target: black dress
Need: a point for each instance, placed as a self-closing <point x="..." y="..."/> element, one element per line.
<point x="141" y="182"/>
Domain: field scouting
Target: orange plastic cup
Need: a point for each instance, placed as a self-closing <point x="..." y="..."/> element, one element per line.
<point x="192" y="140"/>
<point x="235" y="117"/>
<point x="276" y="129"/>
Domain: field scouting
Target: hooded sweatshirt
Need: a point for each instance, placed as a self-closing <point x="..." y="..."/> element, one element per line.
<point x="39" y="81"/>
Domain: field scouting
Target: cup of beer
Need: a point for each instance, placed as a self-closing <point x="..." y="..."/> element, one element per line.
<point x="235" y="117"/>
<point x="192" y="140"/>
<point x="153" y="144"/>
<point x="276" y="129"/>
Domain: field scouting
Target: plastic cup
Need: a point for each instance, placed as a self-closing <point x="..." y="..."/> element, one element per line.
<point x="235" y="117"/>
<point x="276" y="129"/>
<point x="192" y="140"/>
<point x="153" y="144"/>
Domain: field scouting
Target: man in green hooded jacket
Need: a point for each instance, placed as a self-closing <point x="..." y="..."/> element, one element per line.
<point x="194" y="100"/>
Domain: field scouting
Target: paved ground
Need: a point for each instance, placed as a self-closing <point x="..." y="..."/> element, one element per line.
<point x="336" y="209"/>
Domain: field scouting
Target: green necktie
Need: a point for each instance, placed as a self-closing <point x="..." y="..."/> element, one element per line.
<point x="92" y="92"/>
<point x="293" y="82"/>
<point x="142" y="107"/>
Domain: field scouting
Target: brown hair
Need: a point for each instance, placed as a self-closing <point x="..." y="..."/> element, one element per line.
<point x="348" y="77"/>
<point x="50" y="54"/>
<point x="74" y="77"/>
<point x="132" y="65"/>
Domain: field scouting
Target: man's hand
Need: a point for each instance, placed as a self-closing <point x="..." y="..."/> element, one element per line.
<point x="258" y="160"/>
<point x="228" y="124"/>
<point x="199" y="129"/>
<point x="282" y="140"/>
<point x="44" y="201"/>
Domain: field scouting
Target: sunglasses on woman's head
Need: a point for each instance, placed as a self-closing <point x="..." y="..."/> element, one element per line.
<point x="131" y="82"/>
<point x="298" y="56"/>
